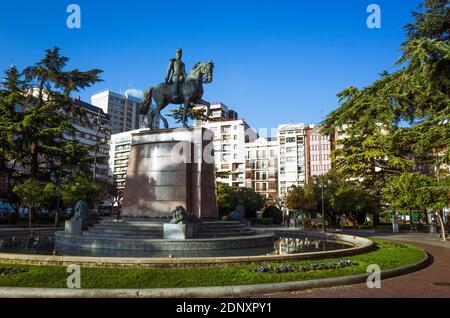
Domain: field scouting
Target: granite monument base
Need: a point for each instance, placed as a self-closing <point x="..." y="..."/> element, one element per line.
<point x="73" y="227"/>
<point x="179" y="231"/>
<point x="169" y="168"/>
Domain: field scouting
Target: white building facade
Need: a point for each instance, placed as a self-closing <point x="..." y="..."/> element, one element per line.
<point x="261" y="166"/>
<point x="230" y="137"/>
<point x="292" y="163"/>
<point x="95" y="132"/>
<point x="123" y="110"/>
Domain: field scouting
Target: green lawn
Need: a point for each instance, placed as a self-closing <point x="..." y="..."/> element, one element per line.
<point x="388" y="255"/>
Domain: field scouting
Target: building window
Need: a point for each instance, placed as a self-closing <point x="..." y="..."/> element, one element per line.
<point x="290" y="139"/>
<point x="226" y="129"/>
<point x="290" y="149"/>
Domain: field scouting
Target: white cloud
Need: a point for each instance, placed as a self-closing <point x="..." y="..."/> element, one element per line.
<point x="134" y="92"/>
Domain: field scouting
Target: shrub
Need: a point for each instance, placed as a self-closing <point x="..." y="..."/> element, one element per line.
<point x="250" y="213"/>
<point x="273" y="212"/>
<point x="262" y="221"/>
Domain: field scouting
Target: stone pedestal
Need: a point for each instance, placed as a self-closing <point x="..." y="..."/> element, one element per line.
<point x="168" y="168"/>
<point x="395" y="228"/>
<point x="179" y="231"/>
<point x="73" y="227"/>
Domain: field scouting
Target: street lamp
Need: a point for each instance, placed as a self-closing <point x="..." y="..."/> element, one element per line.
<point x="323" y="208"/>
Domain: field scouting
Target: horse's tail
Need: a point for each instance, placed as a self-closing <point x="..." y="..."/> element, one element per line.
<point x="145" y="106"/>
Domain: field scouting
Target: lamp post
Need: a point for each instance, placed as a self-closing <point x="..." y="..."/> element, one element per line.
<point x="323" y="208"/>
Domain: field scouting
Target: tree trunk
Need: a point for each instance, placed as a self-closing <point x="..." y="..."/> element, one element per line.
<point x="442" y="226"/>
<point x="34" y="169"/>
<point x="29" y="216"/>
<point x="57" y="211"/>
<point x="410" y="220"/>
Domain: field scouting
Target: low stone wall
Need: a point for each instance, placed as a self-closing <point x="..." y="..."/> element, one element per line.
<point x="361" y="245"/>
<point x="141" y="247"/>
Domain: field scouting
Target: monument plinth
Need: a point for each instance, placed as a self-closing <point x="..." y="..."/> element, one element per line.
<point x="169" y="168"/>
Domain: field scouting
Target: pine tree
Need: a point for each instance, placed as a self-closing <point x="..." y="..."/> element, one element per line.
<point x="36" y="122"/>
<point x="377" y="141"/>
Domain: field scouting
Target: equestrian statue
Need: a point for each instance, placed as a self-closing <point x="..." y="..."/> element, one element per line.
<point x="178" y="88"/>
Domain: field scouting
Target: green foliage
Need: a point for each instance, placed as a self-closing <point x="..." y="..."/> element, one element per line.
<point x="433" y="23"/>
<point x="352" y="202"/>
<point x="224" y="201"/>
<point x="273" y="212"/>
<point x="302" y="198"/>
<point x="191" y="113"/>
<point x="404" y="191"/>
<point x="80" y="188"/>
<point x="36" y="116"/>
<point x="228" y="198"/>
<point x="31" y="193"/>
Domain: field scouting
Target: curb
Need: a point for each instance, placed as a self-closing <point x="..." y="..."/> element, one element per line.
<point x="208" y="292"/>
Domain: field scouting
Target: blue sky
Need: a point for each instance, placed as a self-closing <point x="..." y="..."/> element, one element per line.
<point x="276" y="61"/>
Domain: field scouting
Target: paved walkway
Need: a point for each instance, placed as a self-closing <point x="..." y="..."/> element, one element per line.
<point x="433" y="281"/>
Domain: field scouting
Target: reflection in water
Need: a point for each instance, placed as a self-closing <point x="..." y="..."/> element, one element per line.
<point x="292" y="245"/>
<point x="28" y="244"/>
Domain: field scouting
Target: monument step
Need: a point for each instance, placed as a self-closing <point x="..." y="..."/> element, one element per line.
<point x="223" y="226"/>
<point x="224" y="234"/>
<point x="222" y="230"/>
<point x="125" y="232"/>
<point x="221" y="222"/>
<point x="123" y="236"/>
<point x="132" y="223"/>
<point x="129" y="227"/>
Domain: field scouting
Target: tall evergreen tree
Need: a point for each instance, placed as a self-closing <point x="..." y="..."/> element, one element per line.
<point x="50" y="111"/>
<point x="36" y="120"/>
<point x="407" y="110"/>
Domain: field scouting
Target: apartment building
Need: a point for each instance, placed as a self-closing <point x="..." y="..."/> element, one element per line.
<point x="261" y="166"/>
<point x="119" y="154"/>
<point x="95" y="132"/>
<point x="123" y="110"/>
<point x="230" y="137"/>
<point x="292" y="157"/>
<point x="319" y="148"/>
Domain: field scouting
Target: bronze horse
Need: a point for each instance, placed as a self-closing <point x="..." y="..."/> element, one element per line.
<point x="191" y="92"/>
